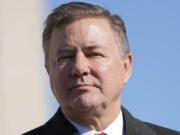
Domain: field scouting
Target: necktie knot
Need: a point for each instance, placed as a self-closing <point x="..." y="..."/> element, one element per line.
<point x="101" y="134"/>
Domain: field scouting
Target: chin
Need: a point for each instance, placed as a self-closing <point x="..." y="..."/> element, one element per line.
<point x="86" y="103"/>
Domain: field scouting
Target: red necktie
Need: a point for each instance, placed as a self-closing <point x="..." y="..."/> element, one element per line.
<point x="101" y="134"/>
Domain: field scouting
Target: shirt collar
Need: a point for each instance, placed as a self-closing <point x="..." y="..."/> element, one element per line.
<point x="115" y="128"/>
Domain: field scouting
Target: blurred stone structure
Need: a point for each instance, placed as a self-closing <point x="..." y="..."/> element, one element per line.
<point x="20" y="63"/>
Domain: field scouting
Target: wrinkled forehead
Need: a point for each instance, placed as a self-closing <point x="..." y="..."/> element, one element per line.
<point x="83" y="32"/>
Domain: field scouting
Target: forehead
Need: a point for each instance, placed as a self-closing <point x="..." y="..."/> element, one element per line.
<point x="84" y="32"/>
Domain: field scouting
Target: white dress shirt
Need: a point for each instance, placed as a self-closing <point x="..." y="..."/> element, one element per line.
<point x="115" y="128"/>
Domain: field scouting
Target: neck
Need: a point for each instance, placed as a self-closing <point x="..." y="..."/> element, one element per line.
<point x="97" y="118"/>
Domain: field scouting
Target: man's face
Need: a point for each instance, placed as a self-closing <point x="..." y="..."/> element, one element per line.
<point x="85" y="66"/>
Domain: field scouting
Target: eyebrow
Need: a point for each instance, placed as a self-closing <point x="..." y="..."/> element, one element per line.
<point x="92" y="47"/>
<point x="65" y="50"/>
<point x="69" y="49"/>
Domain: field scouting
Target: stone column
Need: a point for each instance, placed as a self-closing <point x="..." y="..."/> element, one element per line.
<point x="21" y="91"/>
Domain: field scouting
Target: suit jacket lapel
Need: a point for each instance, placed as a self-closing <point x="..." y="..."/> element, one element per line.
<point x="134" y="126"/>
<point x="58" y="125"/>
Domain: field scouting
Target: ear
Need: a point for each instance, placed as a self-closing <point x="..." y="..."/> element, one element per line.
<point x="128" y="67"/>
<point x="47" y="68"/>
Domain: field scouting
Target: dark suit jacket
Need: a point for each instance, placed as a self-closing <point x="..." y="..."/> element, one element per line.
<point x="58" y="125"/>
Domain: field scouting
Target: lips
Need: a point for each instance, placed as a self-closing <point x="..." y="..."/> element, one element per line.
<point x="81" y="87"/>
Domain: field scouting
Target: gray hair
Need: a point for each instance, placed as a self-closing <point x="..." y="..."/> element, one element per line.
<point x="70" y="12"/>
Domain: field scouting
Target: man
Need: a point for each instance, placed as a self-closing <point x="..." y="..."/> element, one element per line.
<point x="88" y="61"/>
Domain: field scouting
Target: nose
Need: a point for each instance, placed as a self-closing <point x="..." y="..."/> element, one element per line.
<point x="80" y="66"/>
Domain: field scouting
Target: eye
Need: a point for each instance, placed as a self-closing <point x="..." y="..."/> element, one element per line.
<point x="64" y="58"/>
<point x="95" y="55"/>
<point x="67" y="57"/>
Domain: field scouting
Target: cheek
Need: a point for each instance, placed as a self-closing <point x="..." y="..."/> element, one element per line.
<point x="110" y="74"/>
<point x="110" y="69"/>
<point x="58" y="78"/>
<point x="59" y="82"/>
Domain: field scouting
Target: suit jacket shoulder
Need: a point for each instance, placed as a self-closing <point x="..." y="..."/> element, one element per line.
<point x="162" y="130"/>
<point x="36" y="131"/>
<point x="57" y="125"/>
<point x="134" y="126"/>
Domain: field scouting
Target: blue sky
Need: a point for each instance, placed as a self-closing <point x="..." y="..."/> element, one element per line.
<point x="153" y="29"/>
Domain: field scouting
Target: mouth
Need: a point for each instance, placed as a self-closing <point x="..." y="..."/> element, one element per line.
<point x="82" y="87"/>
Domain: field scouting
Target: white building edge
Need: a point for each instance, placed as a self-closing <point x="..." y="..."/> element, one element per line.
<point x="22" y="105"/>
